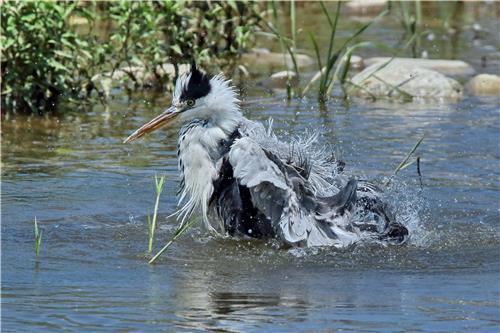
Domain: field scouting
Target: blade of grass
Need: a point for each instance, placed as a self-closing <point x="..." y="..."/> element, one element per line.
<point x="150" y="234"/>
<point x="404" y="163"/>
<point x="323" y="69"/>
<point x="407" y="97"/>
<point x="356" y="34"/>
<point x="38" y="238"/>
<point x="183" y="227"/>
<point x="346" y="59"/>
<point x="326" y="83"/>
<point x="315" y="78"/>
<point x="293" y="26"/>
<point x="316" y="50"/>
<point x="407" y="157"/>
<point x="329" y="58"/>
<point x="372" y="96"/>
<point x="159" y="183"/>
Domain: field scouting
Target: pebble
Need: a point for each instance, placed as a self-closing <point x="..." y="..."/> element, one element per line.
<point x="484" y="85"/>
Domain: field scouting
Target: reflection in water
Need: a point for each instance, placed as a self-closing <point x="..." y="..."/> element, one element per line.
<point x="232" y="311"/>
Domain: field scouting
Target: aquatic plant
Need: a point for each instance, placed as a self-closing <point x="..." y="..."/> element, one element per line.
<point x="406" y="161"/>
<point x="159" y="185"/>
<point x="181" y="229"/>
<point x="336" y="64"/>
<point x="38" y="239"/>
<point x="335" y="60"/>
<point x="411" y="21"/>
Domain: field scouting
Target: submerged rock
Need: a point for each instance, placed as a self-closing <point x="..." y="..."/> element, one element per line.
<point x="398" y="81"/>
<point x="364" y="7"/>
<point x="455" y="68"/>
<point x="484" y="85"/>
<point x="279" y="80"/>
<point x="266" y="57"/>
<point x="356" y="62"/>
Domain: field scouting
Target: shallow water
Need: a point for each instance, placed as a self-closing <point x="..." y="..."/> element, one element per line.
<point x="91" y="194"/>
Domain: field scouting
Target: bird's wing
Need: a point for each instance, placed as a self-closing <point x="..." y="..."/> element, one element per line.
<point x="254" y="170"/>
<point x="271" y="191"/>
<point x="280" y="192"/>
<point x="299" y="217"/>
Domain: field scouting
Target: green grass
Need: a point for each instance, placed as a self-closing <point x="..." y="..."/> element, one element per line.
<point x="334" y="66"/>
<point x="183" y="227"/>
<point x="38" y="239"/>
<point x="330" y="72"/>
<point x="406" y="161"/>
<point x="159" y="184"/>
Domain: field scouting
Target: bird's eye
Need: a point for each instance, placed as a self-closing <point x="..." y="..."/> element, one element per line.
<point x="190" y="102"/>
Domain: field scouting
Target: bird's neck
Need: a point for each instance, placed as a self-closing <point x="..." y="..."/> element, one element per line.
<point x="199" y="150"/>
<point x="225" y="118"/>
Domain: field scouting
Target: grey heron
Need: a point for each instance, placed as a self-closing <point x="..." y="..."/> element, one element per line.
<point x="237" y="171"/>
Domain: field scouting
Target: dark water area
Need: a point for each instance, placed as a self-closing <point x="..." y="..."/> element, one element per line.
<point x="91" y="195"/>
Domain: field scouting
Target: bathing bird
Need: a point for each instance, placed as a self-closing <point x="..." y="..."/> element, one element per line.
<point x="247" y="182"/>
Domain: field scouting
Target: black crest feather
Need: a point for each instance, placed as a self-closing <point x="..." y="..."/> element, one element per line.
<point x="198" y="85"/>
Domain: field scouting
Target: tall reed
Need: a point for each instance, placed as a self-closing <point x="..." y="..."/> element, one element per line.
<point x="411" y="19"/>
<point x="329" y="73"/>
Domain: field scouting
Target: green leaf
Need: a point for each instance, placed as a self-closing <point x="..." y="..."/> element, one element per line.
<point x="63" y="54"/>
<point x="176" y="49"/>
<point x="56" y="64"/>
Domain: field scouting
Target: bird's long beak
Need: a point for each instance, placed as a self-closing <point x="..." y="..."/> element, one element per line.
<point x="163" y="119"/>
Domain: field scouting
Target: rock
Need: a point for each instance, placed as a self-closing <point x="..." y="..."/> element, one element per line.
<point x="454" y="68"/>
<point x="357" y="62"/>
<point x="484" y="85"/>
<point x="265" y="57"/>
<point x="279" y="80"/>
<point x="364" y="7"/>
<point x="399" y="81"/>
<point x="77" y="20"/>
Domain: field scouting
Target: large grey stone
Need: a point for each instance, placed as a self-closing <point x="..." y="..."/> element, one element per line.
<point x="454" y="68"/>
<point x="398" y="81"/>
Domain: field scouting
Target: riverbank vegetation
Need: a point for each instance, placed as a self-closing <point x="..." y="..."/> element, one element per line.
<point x="55" y="50"/>
<point x="84" y="52"/>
